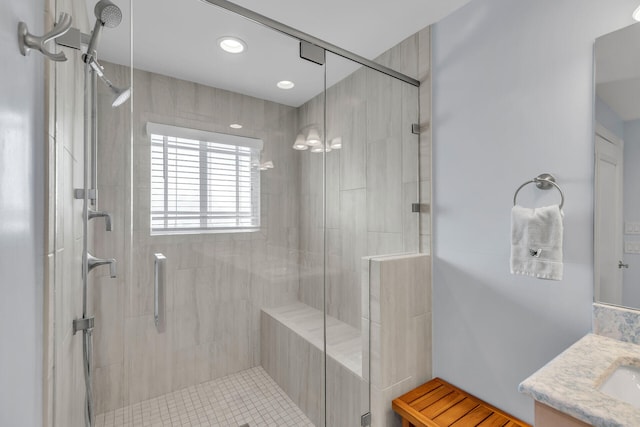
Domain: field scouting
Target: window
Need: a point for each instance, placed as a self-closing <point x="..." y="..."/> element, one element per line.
<point x="203" y="181"/>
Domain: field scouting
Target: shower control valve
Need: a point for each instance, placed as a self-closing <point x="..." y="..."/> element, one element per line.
<point x="93" y="262"/>
<point x="105" y="215"/>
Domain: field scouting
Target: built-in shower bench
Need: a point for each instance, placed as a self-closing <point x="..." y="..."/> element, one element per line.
<point x="344" y="342"/>
<point x="396" y="310"/>
<point x="292" y="345"/>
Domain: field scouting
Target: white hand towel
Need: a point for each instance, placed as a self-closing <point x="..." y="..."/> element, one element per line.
<point x="536" y="242"/>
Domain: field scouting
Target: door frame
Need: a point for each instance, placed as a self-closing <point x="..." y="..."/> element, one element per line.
<point x="609" y="136"/>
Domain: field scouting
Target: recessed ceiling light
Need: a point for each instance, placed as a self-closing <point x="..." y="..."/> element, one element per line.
<point x="636" y="14"/>
<point x="235" y="126"/>
<point x="231" y="44"/>
<point x="285" y="84"/>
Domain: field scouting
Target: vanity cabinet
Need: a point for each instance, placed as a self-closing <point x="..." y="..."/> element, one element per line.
<point x="547" y="416"/>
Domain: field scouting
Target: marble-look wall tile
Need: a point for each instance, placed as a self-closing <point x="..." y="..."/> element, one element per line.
<point x="424" y="75"/>
<point x="410" y="140"/>
<point x="48" y="350"/>
<point x="349" y="110"/>
<point x="107" y="306"/>
<point x="616" y="322"/>
<point x="384" y="243"/>
<point x="384" y="185"/>
<point x="344" y="400"/>
<point x="379" y="159"/>
<point x="402" y="57"/>
<point x="424" y="55"/>
<point x="147" y="358"/>
<point x="216" y="283"/>
<point x="114" y="129"/>
<point x="69" y="382"/>
<point x="384" y="106"/>
<point x="63" y="301"/>
<point x="400" y="328"/>
<point x="50" y="196"/>
<point x="332" y="189"/>
<point x="111" y="379"/>
<point x="382" y="415"/>
<point x="410" y="219"/>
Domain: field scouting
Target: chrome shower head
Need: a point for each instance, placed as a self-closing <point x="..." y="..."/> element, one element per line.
<point x="108" y="13"/>
<point x="120" y="95"/>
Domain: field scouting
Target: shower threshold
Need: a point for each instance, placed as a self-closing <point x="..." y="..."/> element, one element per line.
<point x="247" y="398"/>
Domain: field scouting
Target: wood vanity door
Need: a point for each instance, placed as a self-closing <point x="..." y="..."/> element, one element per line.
<point x="546" y="416"/>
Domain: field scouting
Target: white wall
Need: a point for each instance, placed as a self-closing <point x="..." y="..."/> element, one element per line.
<point x="513" y="97"/>
<point x="22" y="147"/>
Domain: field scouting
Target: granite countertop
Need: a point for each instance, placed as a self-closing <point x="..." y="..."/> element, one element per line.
<point x="569" y="383"/>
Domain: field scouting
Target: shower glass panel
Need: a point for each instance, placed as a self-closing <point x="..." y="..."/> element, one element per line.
<point x="371" y="182"/>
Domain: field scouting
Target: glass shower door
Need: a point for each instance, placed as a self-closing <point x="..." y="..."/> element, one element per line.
<point x="215" y="326"/>
<point x="250" y="192"/>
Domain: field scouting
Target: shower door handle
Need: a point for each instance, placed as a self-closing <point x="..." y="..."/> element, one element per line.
<point x="159" y="282"/>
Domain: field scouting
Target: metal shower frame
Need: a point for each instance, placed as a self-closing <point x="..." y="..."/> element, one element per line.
<point x="302" y="36"/>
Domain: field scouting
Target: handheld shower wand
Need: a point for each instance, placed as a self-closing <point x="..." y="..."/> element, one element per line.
<point x="107" y="15"/>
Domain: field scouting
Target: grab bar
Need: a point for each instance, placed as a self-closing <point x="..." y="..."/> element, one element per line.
<point x="159" y="282"/>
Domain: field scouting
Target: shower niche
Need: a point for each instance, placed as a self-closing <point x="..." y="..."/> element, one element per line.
<point x="269" y="183"/>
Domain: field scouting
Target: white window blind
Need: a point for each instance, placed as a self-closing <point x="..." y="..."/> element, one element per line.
<point x="203" y="180"/>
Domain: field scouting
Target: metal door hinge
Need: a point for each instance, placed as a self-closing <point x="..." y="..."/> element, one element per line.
<point x="415" y="129"/>
<point x="82" y="324"/>
<point x="78" y="193"/>
<point x="312" y="53"/>
<point x="365" y="419"/>
<point x="415" y="207"/>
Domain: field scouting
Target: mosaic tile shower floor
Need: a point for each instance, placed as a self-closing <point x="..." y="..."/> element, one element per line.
<point x="248" y="397"/>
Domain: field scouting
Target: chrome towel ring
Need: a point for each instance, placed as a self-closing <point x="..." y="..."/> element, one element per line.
<point x="543" y="181"/>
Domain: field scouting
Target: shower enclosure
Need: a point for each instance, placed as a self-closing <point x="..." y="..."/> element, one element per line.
<point x="242" y="217"/>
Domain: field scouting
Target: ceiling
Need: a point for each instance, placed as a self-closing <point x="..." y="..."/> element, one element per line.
<point x="618" y="71"/>
<point x="178" y="38"/>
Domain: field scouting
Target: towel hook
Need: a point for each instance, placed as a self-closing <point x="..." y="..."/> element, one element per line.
<point x="28" y="41"/>
<point x="543" y="181"/>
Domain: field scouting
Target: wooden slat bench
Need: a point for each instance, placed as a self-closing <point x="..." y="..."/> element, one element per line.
<point x="438" y="404"/>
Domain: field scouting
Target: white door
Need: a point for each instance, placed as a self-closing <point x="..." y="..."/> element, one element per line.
<point x="608" y="217"/>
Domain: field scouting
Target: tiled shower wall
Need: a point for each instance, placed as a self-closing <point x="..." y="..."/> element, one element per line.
<point x="217" y="282"/>
<point x="372" y="181"/>
<point x="64" y="381"/>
